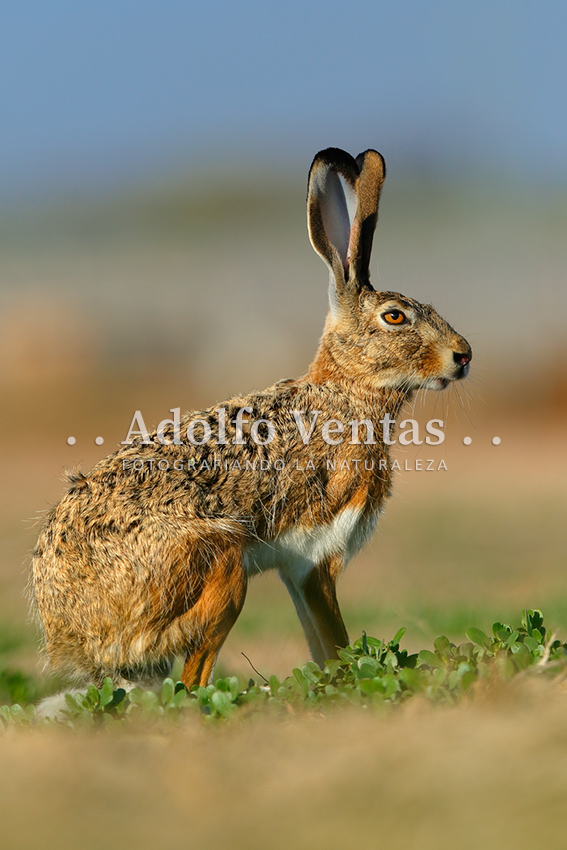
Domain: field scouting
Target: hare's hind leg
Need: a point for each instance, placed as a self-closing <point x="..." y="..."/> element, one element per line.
<point x="213" y="616"/>
<point x="315" y="601"/>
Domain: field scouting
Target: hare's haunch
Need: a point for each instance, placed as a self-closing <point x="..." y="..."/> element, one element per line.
<point x="140" y="562"/>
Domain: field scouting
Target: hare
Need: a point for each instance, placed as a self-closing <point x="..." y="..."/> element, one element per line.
<point x="148" y="556"/>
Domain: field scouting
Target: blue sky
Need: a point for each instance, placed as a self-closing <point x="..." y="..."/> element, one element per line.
<point x="95" y="94"/>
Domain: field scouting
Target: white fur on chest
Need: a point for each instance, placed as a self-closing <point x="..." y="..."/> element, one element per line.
<point x="298" y="550"/>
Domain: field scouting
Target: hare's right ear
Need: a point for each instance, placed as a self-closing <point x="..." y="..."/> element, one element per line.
<point x="332" y="201"/>
<point x="342" y="209"/>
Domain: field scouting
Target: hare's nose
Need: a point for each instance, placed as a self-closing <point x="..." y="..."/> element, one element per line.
<point x="461" y="359"/>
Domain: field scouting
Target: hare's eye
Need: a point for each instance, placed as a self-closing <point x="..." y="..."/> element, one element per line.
<point x="394" y="317"/>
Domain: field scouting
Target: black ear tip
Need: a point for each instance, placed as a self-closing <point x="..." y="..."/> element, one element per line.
<point x="331" y="154"/>
<point x="362" y="156"/>
<point x="337" y="159"/>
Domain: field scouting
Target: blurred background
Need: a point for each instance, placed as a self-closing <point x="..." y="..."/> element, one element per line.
<point x="154" y="254"/>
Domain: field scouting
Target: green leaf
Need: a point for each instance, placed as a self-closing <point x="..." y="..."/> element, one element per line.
<point x="501" y="631"/>
<point x="391" y="685"/>
<point x="533" y="619"/>
<point x="312" y="672"/>
<point x="440" y="676"/>
<point x="466" y="651"/>
<point x="233" y="687"/>
<point x="332" y="668"/>
<point x="412" y="679"/>
<point x="106" y="693"/>
<point x="512" y="638"/>
<point x="371" y="686"/>
<point x="180" y="698"/>
<point x="167" y="691"/>
<point x="429" y="658"/>
<point x="150" y="702"/>
<point x="72" y="703"/>
<point x="298" y="676"/>
<point x="479" y="637"/>
<point x="19" y="714"/>
<point x="367" y="667"/>
<point x="222" y="703"/>
<point x="442" y="645"/>
<point x="522" y="656"/>
<point x="6" y="714"/>
<point x="135" y="696"/>
<point x="117" y="698"/>
<point x="92" y="696"/>
<point x="346" y="655"/>
<point x="301" y="683"/>
<point x="373" y="642"/>
<point x="506" y="667"/>
<point x="453" y="679"/>
<point x="468" y="679"/>
<point x="532" y="644"/>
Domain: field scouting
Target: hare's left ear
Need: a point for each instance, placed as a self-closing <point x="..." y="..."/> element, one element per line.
<point x="372" y="175"/>
<point x="342" y="209"/>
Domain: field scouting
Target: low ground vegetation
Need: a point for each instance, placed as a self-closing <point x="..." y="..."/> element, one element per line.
<point x="370" y="673"/>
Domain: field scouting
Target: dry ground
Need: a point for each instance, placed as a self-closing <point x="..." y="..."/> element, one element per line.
<point x="489" y="773"/>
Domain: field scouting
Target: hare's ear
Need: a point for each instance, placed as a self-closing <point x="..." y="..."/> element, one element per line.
<point x="332" y="203"/>
<point x="372" y="175"/>
<point x="342" y="209"/>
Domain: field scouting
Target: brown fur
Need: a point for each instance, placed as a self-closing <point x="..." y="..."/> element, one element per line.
<point x="137" y="565"/>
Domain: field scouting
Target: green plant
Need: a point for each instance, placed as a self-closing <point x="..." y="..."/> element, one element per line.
<point x="370" y="672"/>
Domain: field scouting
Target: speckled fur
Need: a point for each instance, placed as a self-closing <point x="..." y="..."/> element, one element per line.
<point x="135" y="566"/>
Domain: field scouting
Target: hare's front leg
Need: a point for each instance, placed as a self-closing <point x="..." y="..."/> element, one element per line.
<point x="315" y="601"/>
<point x="210" y="620"/>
